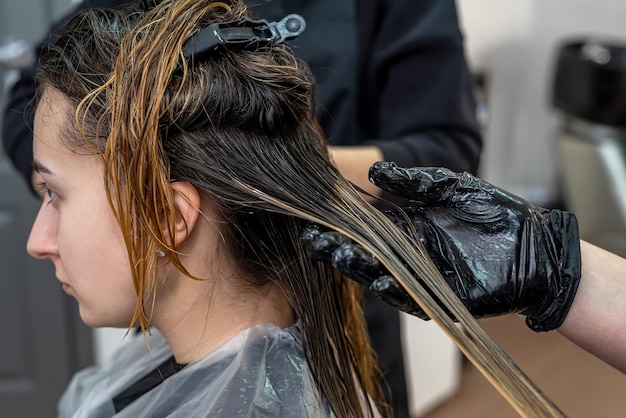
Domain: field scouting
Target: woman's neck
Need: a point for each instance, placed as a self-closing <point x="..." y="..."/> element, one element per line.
<point x="198" y="316"/>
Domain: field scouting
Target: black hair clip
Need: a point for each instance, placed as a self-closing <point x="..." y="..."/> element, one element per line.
<point x="243" y="33"/>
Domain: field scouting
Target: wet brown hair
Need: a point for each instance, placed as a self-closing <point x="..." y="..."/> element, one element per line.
<point x="240" y="126"/>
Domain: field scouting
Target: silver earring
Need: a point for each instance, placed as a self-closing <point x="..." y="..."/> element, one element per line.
<point x="160" y="252"/>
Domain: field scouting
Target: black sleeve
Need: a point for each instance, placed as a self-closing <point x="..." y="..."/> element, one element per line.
<point x="422" y="111"/>
<point x="17" y="126"/>
<point x="17" y="133"/>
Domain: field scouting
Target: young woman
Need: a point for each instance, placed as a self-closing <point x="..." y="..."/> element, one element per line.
<point x="168" y="181"/>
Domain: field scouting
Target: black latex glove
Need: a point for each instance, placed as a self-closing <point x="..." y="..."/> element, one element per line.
<point x="499" y="253"/>
<point x="360" y="265"/>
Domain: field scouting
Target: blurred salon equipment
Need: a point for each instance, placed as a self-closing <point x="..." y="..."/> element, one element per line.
<point x="590" y="90"/>
<point x="16" y="54"/>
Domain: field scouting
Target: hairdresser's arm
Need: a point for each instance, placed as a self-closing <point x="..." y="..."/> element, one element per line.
<point x="499" y="253"/>
<point x="415" y="88"/>
<point x="353" y="163"/>
<point x="17" y="133"/>
<point x="416" y="98"/>
<point x="597" y="319"/>
<point x="522" y="258"/>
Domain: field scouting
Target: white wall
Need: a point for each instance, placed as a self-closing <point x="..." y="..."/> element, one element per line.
<point x="515" y="43"/>
<point x="432" y="363"/>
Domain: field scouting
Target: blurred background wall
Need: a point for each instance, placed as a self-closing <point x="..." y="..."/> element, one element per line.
<point x="513" y="44"/>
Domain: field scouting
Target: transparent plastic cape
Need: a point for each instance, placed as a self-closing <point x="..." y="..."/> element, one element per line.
<point x="261" y="372"/>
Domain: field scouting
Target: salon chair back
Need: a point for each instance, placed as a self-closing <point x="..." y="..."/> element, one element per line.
<point x="593" y="162"/>
<point x="590" y="90"/>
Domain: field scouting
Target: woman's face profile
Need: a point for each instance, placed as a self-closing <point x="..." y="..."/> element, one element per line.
<point x="75" y="227"/>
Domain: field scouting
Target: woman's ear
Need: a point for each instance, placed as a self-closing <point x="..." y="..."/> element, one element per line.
<point x="187" y="204"/>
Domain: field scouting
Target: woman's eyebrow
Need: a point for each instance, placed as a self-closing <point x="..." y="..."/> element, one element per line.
<point x="40" y="168"/>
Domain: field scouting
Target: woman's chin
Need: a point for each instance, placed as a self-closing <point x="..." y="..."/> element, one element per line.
<point x="102" y="320"/>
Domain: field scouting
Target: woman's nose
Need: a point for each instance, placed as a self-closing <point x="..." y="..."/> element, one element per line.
<point x="42" y="241"/>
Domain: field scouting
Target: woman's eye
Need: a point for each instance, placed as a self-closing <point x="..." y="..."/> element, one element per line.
<point x="52" y="195"/>
<point x="43" y="190"/>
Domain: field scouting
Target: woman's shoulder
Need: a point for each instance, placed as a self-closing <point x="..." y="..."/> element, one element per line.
<point x="261" y="371"/>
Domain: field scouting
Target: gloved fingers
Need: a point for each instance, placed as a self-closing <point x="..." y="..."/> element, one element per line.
<point x="388" y="289"/>
<point x="440" y="186"/>
<point x="347" y="257"/>
<point x="321" y="244"/>
<point x="357" y="263"/>
<point x="310" y="232"/>
<point x="421" y="184"/>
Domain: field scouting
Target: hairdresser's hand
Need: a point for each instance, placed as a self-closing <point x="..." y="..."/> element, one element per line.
<point x="360" y="265"/>
<point x="499" y="253"/>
